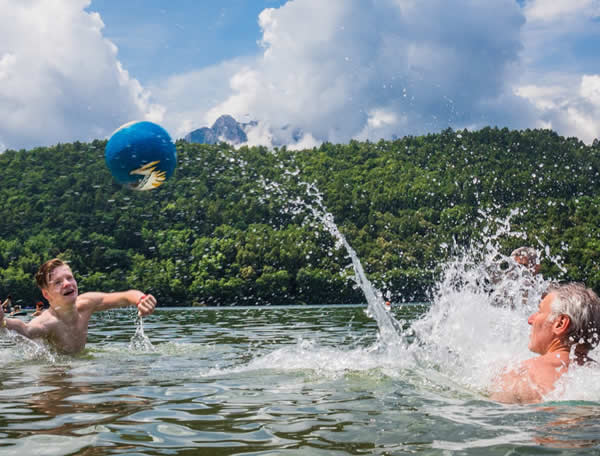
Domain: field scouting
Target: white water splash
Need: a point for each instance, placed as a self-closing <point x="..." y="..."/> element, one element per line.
<point x="390" y="332"/>
<point x="140" y="342"/>
<point x="19" y="348"/>
<point x="476" y="324"/>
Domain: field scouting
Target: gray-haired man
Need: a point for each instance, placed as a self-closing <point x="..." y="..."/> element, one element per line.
<point x="563" y="330"/>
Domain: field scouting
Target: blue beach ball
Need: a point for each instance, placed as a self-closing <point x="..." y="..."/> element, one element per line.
<point x="141" y="155"/>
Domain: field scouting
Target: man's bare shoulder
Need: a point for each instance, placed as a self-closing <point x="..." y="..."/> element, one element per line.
<point x="549" y="364"/>
<point x="517" y="384"/>
<point x="530" y="380"/>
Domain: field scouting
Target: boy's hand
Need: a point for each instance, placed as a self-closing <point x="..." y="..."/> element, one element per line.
<point x="146" y="305"/>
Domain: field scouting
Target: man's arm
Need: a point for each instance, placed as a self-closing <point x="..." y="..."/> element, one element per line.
<point x="96" y="301"/>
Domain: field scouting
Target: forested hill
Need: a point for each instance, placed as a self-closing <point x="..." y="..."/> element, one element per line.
<point x="224" y="230"/>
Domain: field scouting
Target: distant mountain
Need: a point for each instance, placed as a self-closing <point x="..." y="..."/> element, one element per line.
<point x="225" y="129"/>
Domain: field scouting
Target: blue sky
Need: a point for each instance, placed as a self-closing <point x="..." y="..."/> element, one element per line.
<point x="332" y="71"/>
<point x="157" y="38"/>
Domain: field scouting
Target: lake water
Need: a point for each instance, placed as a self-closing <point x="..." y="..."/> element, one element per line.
<point x="330" y="380"/>
<point x="287" y="381"/>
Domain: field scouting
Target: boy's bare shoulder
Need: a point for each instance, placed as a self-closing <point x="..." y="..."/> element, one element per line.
<point x="43" y="325"/>
<point x="87" y="301"/>
<point x="47" y="316"/>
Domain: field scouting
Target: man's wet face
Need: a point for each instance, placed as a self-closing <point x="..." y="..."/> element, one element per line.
<point x="541" y="327"/>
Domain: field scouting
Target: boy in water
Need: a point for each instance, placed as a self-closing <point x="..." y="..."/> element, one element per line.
<point x="65" y="323"/>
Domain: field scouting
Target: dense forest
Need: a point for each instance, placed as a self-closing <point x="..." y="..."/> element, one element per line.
<point x="233" y="226"/>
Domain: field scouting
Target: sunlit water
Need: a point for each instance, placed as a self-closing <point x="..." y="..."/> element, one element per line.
<point x="297" y="380"/>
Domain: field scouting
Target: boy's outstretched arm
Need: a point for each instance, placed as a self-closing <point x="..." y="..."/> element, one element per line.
<point x="97" y="301"/>
<point x="31" y="330"/>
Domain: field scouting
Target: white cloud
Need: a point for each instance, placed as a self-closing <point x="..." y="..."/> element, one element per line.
<point x="559" y="10"/>
<point x="590" y="89"/>
<point x="305" y="142"/>
<point x="385" y="122"/>
<point x="347" y="69"/>
<point x="380" y="117"/>
<point x="552" y="29"/>
<point x="260" y="134"/>
<point x="189" y="97"/>
<point x="327" y="71"/>
<point x="572" y="107"/>
<point x="60" y="80"/>
<point x="557" y="80"/>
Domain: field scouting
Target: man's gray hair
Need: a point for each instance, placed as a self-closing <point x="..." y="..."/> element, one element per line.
<point x="582" y="306"/>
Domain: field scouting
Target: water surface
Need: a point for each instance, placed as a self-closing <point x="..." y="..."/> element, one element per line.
<point x="268" y="380"/>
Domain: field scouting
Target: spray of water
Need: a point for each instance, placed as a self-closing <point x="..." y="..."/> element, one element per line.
<point x="23" y="349"/>
<point x="390" y="330"/>
<point x="477" y="321"/>
<point x="476" y="324"/>
<point x="140" y="342"/>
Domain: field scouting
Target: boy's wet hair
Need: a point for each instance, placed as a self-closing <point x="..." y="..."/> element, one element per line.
<point x="43" y="275"/>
